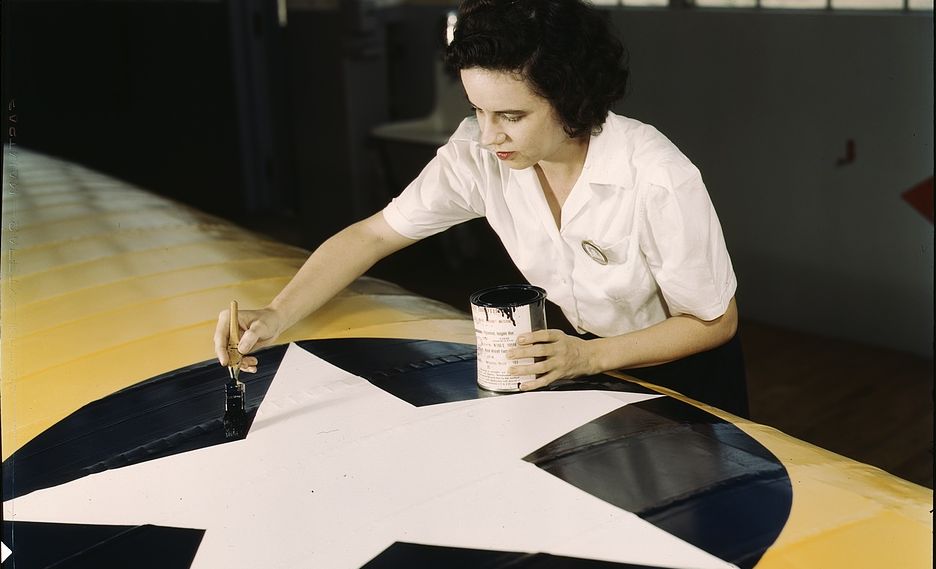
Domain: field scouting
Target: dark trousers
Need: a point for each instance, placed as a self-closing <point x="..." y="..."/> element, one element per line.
<point x="715" y="377"/>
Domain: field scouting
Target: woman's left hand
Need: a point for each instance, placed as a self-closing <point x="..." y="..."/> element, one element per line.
<point x="566" y="356"/>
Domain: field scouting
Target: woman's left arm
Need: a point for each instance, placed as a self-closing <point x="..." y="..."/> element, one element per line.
<point x="569" y="357"/>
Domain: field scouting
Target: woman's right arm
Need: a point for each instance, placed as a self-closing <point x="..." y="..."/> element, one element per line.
<point x="333" y="266"/>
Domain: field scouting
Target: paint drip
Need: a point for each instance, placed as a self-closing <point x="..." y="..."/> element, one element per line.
<point x="501" y="314"/>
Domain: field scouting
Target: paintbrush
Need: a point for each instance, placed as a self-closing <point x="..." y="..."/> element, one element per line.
<point x="235" y="396"/>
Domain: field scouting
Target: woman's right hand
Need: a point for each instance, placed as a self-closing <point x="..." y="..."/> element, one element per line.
<point x="259" y="328"/>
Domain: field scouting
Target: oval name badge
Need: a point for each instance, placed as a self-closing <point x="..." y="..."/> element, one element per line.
<point x="595" y="252"/>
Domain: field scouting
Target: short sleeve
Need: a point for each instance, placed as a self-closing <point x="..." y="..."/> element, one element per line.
<point x="447" y="192"/>
<point x="683" y="242"/>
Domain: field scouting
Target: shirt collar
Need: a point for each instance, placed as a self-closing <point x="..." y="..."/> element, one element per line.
<point x="600" y="168"/>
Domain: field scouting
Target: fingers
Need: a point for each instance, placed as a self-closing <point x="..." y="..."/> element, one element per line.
<point x="256" y="334"/>
<point x="541" y="343"/>
<point x="531" y="351"/>
<point x="253" y="336"/>
<point x="540" y="336"/>
<point x="248" y="341"/>
<point x="539" y="382"/>
<point x="531" y="369"/>
<point x="559" y="356"/>
<point x="249" y="364"/>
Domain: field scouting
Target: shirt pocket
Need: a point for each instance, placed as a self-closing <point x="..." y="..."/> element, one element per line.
<point x="625" y="279"/>
<point x="603" y="253"/>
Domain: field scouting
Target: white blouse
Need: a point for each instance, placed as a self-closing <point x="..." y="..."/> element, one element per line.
<point x="639" y="238"/>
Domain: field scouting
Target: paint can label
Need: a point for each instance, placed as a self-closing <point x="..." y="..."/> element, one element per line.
<point x="500" y="315"/>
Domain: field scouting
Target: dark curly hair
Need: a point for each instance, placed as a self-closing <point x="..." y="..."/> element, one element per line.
<point x="563" y="48"/>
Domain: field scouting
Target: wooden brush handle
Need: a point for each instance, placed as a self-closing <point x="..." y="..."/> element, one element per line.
<point x="234" y="355"/>
<point x="234" y="335"/>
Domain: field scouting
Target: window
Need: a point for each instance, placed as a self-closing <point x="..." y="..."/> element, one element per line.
<point x="630" y="2"/>
<point x="891" y="5"/>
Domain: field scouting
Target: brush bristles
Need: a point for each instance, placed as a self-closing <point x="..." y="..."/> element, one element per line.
<point x="235" y="424"/>
<point x="235" y="413"/>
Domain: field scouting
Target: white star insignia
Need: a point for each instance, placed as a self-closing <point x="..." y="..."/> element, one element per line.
<point x="335" y="470"/>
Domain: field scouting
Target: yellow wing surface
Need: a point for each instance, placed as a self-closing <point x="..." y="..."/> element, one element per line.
<point x="105" y="285"/>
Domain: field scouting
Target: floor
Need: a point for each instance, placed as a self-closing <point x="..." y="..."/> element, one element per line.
<point x="870" y="404"/>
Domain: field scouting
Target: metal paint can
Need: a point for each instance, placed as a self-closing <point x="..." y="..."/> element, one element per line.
<point x="502" y="313"/>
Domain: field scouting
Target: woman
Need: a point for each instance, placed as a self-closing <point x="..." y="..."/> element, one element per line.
<point x="600" y="210"/>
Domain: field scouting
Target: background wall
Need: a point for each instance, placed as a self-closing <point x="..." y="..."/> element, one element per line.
<point x="764" y="103"/>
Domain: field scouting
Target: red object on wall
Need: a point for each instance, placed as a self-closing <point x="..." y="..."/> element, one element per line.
<point x="920" y="197"/>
